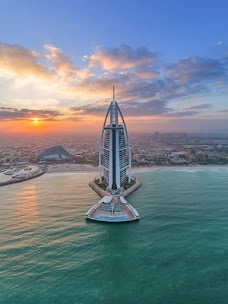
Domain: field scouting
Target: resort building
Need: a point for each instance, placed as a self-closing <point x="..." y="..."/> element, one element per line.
<point x="115" y="181"/>
<point x="114" y="154"/>
<point x="57" y="153"/>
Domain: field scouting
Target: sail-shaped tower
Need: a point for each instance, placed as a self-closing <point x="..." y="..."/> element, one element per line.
<point x="114" y="154"/>
<point x="115" y="180"/>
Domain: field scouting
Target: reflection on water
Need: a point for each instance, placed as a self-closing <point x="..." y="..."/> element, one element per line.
<point x="26" y="207"/>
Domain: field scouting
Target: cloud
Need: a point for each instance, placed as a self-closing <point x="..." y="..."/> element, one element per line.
<point x="175" y="90"/>
<point x="198" y="106"/>
<point x="22" y="62"/>
<point x="123" y="57"/>
<point x="19" y="61"/>
<point x="145" y="89"/>
<point x="127" y="87"/>
<point x="151" y="107"/>
<point x="196" y="69"/>
<point x="188" y="111"/>
<point x="98" y="108"/>
<point x="144" y="85"/>
<point x="220" y="84"/>
<point x="6" y="109"/>
<point x="24" y="114"/>
<point x="182" y="114"/>
<point x="223" y="111"/>
<point x="147" y="74"/>
<point x="63" y="66"/>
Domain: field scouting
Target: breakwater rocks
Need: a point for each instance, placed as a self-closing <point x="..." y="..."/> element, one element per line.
<point x="14" y="181"/>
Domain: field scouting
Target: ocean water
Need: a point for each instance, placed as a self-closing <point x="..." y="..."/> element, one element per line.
<point x="176" y="253"/>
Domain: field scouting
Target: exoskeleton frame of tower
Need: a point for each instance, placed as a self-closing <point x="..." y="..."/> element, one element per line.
<point x="114" y="152"/>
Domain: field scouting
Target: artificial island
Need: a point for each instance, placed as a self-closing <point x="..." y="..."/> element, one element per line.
<point x="115" y="181"/>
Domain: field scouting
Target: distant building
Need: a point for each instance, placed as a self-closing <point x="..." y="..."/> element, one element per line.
<point x="54" y="153"/>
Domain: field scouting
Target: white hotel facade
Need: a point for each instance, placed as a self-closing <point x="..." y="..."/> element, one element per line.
<point x="114" y="152"/>
<point x="115" y="172"/>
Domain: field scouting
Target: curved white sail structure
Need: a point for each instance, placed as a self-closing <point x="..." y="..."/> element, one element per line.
<point x="114" y="153"/>
<point x="115" y="181"/>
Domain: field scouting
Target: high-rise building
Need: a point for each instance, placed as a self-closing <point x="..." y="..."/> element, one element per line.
<point x="114" y="154"/>
<point x="115" y="181"/>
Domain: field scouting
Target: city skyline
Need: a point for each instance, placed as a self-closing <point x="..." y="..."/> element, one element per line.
<point x="168" y="62"/>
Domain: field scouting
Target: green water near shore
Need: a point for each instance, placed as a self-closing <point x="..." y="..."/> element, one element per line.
<point x="176" y="253"/>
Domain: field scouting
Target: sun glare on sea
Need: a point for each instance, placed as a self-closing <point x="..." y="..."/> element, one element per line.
<point x="36" y="119"/>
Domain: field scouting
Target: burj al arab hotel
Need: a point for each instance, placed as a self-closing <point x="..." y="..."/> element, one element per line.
<point x="115" y="180"/>
<point x="114" y="154"/>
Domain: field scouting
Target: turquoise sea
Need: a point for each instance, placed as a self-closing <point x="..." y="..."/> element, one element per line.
<point x="176" y="253"/>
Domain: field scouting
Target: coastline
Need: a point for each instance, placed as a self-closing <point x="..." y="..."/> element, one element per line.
<point x="16" y="181"/>
<point x="82" y="168"/>
<point x="92" y="169"/>
<point x="184" y="167"/>
<point x="85" y="169"/>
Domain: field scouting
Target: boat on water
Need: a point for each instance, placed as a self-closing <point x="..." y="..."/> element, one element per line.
<point x="28" y="169"/>
<point x="22" y="176"/>
<point x="9" y="172"/>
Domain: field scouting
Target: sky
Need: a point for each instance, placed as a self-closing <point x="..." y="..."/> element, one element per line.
<point x="167" y="59"/>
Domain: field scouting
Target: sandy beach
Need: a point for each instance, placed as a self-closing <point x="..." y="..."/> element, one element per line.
<point x="71" y="168"/>
<point x="82" y="168"/>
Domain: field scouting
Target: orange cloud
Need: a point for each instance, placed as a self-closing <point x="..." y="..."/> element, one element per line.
<point x="22" y="62"/>
<point x="147" y="74"/>
<point x="123" y="57"/>
<point x="26" y="114"/>
<point x="48" y="84"/>
<point x="63" y="66"/>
